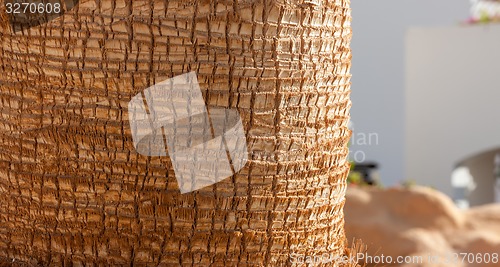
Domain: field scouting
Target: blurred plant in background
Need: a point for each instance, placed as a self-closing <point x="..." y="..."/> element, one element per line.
<point x="364" y="174"/>
<point x="354" y="177"/>
<point x="484" y="11"/>
<point x="408" y="183"/>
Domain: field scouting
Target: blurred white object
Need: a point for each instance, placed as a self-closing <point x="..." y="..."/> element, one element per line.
<point x="462" y="178"/>
<point x="444" y="65"/>
<point x="463" y="183"/>
<point x="485" y="8"/>
<point x="462" y="204"/>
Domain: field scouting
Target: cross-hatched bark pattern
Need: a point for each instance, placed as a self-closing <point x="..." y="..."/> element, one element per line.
<point x="72" y="187"/>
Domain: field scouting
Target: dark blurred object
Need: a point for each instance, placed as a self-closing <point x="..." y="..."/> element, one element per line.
<point x="366" y="170"/>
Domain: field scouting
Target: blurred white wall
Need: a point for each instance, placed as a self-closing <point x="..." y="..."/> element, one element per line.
<point x="379" y="28"/>
<point x="452" y="99"/>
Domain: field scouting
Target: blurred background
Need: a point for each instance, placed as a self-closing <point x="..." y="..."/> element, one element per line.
<point x="426" y="93"/>
<point x="425" y="148"/>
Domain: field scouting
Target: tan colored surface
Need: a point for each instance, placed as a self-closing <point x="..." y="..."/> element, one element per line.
<point x="420" y="222"/>
<point x="72" y="188"/>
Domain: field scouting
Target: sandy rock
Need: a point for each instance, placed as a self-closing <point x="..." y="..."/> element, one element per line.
<point x="484" y="217"/>
<point x="428" y="240"/>
<point x="420" y="222"/>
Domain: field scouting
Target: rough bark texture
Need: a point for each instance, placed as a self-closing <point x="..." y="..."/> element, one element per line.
<point x="72" y="187"/>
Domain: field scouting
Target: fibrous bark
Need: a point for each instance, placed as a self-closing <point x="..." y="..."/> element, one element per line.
<point x="74" y="190"/>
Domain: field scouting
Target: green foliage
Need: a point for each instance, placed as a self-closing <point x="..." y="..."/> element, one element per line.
<point x="355" y="178"/>
<point x="408" y="183"/>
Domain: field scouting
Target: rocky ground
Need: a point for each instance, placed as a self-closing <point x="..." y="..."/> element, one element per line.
<point x="422" y="225"/>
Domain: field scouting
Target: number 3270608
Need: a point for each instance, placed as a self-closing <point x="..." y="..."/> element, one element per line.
<point x="19" y="8"/>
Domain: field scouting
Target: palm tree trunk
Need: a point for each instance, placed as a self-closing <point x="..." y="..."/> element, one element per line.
<point x="73" y="189"/>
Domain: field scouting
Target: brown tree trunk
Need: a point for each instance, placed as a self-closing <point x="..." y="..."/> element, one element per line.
<point x="73" y="189"/>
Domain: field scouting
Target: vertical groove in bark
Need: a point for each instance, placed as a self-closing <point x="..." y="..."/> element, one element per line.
<point x="72" y="187"/>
